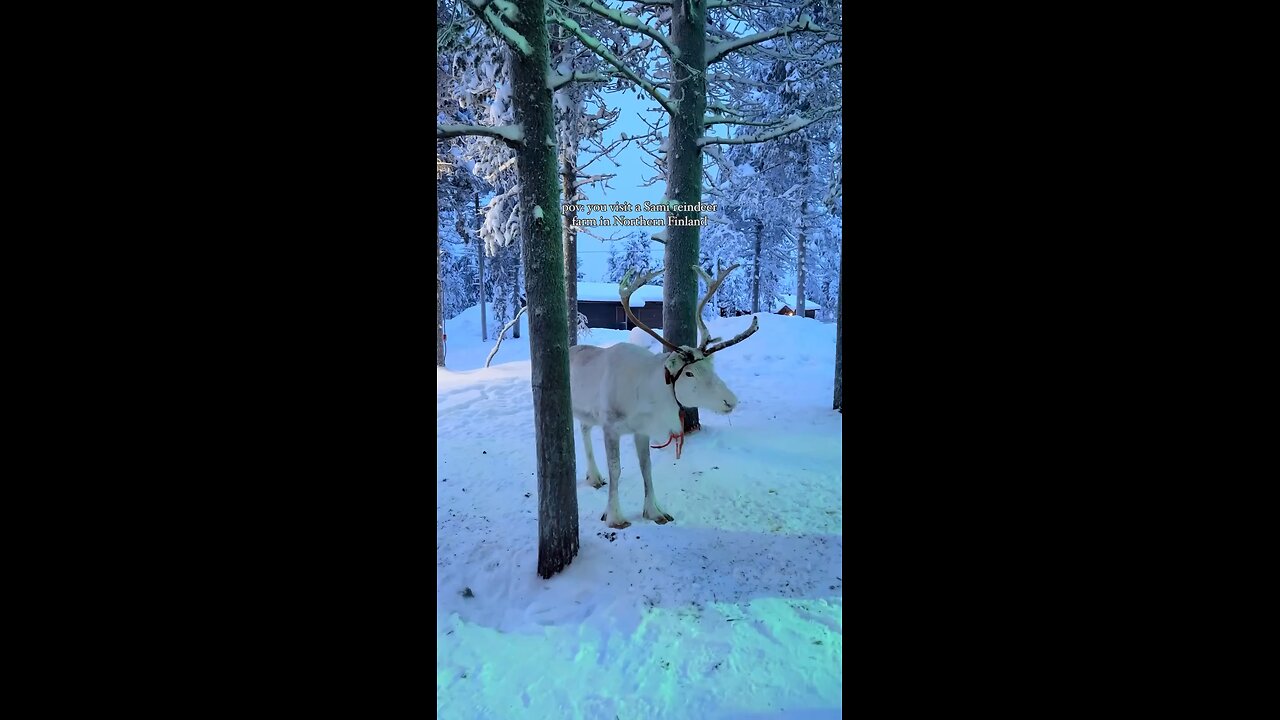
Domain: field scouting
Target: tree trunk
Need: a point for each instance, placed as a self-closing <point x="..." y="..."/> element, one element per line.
<point x="439" y="306"/>
<point x="804" y="207"/>
<point x="484" y="331"/>
<point x="570" y="254"/>
<point x="839" y="395"/>
<point x="755" y="269"/>
<point x="684" y="183"/>
<point x="544" y="281"/>
<point x="515" y="286"/>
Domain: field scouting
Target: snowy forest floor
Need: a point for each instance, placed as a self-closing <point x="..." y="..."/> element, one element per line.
<point x="735" y="610"/>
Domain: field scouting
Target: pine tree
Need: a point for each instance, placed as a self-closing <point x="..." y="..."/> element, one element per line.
<point x="523" y="29"/>
<point x="694" y="42"/>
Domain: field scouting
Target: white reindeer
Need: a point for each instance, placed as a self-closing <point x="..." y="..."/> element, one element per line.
<point x="629" y="390"/>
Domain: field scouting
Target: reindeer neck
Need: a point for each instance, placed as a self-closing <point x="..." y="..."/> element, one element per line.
<point x="663" y="382"/>
<point x="664" y="392"/>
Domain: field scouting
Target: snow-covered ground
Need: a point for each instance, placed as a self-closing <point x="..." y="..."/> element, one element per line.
<point x="735" y="610"/>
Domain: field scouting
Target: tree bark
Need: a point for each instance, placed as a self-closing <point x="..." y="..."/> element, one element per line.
<point x="484" y="331"/>
<point x="570" y="254"/>
<point x="684" y="182"/>
<point x="804" y="209"/>
<point x="544" y="282"/>
<point x="439" y="306"/>
<point x="755" y="268"/>
<point x="515" y="285"/>
<point x="839" y="394"/>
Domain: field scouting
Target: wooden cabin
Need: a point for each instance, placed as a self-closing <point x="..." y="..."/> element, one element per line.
<point x="603" y="307"/>
<point x="782" y="305"/>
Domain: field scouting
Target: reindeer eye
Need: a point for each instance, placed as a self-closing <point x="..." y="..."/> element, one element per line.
<point x="688" y="374"/>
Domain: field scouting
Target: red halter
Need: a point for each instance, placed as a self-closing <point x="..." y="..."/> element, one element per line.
<point x="672" y="436"/>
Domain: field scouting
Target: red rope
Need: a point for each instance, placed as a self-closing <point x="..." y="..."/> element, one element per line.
<point x="678" y="438"/>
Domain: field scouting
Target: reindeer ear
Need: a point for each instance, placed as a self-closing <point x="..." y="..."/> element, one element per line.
<point x="673" y="364"/>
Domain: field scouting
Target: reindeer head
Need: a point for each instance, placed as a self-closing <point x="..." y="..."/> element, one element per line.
<point x="696" y="382"/>
<point x="691" y="370"/>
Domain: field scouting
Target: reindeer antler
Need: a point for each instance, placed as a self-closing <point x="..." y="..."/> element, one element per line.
<point x="712" y="286"/>
<point x="625" y="288"/>
<point x="755" y="325"/>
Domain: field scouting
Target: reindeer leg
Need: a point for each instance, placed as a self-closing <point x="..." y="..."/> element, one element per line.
<point x="614" y="514"/>
<point x="651" y="509"/>
<point x="594" y="478"/>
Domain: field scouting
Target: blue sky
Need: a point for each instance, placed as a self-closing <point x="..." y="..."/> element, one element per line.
<point x="631" y="171"/>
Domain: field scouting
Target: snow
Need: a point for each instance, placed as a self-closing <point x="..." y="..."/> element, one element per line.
<point x="790" y="301"/>
<point x="537" y="212"/>
<point x="605" y="292"/>
<point x="734" y="610"/>
<point x="514" y="133"/>
<point x="506" y="9"/>
<point x="464" y="349"/>
<point x="515" y="39"/>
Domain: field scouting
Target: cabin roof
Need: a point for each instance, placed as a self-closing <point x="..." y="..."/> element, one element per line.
<point x="790" y="301"/>
<point x="608" y="292"/>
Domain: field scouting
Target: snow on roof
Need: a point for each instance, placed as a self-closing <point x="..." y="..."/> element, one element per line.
<point x="608" y="292"/>
<point x="790" y="301"/>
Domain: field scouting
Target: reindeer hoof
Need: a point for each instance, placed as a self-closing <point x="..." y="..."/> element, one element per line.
<point x="659" y="517"/>
<point x="621" y="525"/>
<point x="597" y="483"/>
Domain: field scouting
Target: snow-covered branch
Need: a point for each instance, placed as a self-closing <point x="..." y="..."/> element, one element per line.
<point x="629" y="22"/>
<point x="717" y="51"/>
<point x="710" y="120"/>
<point x="598" y="48"/>
<point x="590" y="180"/>
<point x="713" y="4"/>
<point x="556" y="80"/>
<point x="484" y="10"/>
<point x="512" y="135"/>
<point x="793" y="126"/>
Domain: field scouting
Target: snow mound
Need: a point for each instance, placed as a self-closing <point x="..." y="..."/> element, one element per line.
<point x="780" y="336"/>
<point x="636" y="336"/>
<point x="470" y="319"/>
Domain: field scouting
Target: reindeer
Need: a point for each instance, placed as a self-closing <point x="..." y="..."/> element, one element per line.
<point x="629" y="390"/>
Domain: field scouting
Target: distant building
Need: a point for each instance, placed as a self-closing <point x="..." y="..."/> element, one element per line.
<point x="782" y="305"/>
<point x="602" y="305"/>
<point x="786" y="305"/>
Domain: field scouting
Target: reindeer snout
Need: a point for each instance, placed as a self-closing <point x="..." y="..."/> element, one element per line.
<point x="729" y="405"/>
